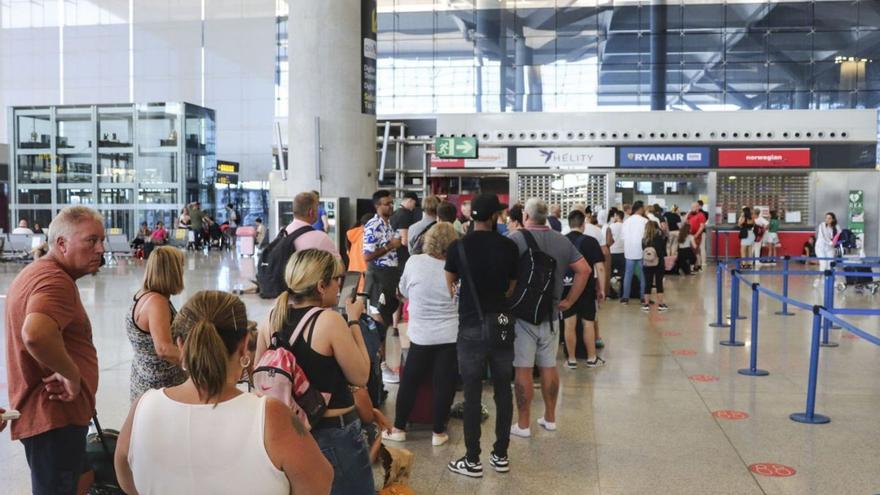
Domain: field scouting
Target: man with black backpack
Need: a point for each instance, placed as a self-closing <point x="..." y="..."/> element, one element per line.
<point x="484" y="265"/>
<point x="297" y="236"/>
<point x="545" y="256"/>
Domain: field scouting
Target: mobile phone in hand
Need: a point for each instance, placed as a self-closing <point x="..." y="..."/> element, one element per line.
<point x="10" y="415"/>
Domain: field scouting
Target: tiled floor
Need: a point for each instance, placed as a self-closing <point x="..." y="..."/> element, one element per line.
<point x="638" y="425"/>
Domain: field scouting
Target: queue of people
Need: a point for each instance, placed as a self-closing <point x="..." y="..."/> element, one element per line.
<point x="472" y="303"/>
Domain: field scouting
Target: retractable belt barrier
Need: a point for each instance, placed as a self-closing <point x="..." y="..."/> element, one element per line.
<point x="824" y="316"/>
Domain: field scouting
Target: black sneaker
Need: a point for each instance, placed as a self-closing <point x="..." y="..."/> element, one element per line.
<point x="466" y="468"/>
<point x="595" y="363"/>
<point x="624" y="300"/>
<point x="646" y="307"/>
<point x="501" y="464"/>
<point x="663" y="307"/>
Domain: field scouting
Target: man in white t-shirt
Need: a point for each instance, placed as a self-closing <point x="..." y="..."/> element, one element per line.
<point x="633" y="232"/>
<point x="618" y="260"/>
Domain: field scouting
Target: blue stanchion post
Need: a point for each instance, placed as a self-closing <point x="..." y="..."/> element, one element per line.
<point x="753" y="370"/>
<point x="737" y="265"/>
<point x="719" y="297"/>
<point x="828" y="303"/>
<point x="784" y="312"/>
<point x="809" y="416"/>
<point x="734" y="310"/>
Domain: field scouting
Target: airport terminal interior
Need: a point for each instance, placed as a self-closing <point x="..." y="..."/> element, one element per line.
<point x="176" y="173"/>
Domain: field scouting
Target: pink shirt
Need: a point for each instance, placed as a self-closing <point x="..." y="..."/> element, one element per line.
<point x="312" y="240"/>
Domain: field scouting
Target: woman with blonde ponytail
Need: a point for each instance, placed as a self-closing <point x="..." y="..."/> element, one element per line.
<point x="332" y="354"/>
<point x="207" y="437"/>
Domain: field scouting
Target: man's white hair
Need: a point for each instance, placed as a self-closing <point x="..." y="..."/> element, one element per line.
<point x="536" y="209"/>
<point x="65" y="223"/>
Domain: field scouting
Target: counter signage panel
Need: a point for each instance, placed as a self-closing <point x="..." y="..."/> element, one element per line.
<point x="489" y="158"/>
<point x="664" y="157"/>
<point x="764" y="158"/>
<point x="227" y="167"/>
<point x="566" y="158"/>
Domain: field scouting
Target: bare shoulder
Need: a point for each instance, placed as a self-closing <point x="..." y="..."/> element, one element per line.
<point x="279" y="416"/>
<point x="329" y="318"/>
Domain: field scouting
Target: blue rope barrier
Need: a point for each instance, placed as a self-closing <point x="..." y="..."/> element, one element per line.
<point x="856" y="274"/>
<point x="855" y="312"/>
<point x="828" y="315"/>
<point x="783" y="272"/>
<point x="785" y="300"/>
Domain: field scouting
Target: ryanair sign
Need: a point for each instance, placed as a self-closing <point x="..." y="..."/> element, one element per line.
<point x="664" y="157"/>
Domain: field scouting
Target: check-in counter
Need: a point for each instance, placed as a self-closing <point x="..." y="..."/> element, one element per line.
<point x="725" y="242"/>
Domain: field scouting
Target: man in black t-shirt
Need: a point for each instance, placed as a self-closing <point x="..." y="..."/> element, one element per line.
<point x="492" y="267"/>
<point x="586" y="305"/>
<point x="401" y="220"/>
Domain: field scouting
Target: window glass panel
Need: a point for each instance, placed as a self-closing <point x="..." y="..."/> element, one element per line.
<point x="159" y="167"/>
<point x="743" y="16"/>
<point x="74" y="196"/>
<point x="34" y="132"/>
<point x="789" y="46"/>
<point x="118" y="219"/>
<point x="115" y="167"/>
<point x="74" y="168"/>
<point x="869" y="15"/>
<point x="746" y="46"/>
<point x="35" y="169"/>
<point x="115" y="196"/>
<point x="697" y="47"/>
<point x="34" y="196"/>
<point x="788" y="15"/>
<point x="157" y="196"/>
<point x="837" y="16"/>
<point x="746" y="77"/>
<point x="702" y="16"/>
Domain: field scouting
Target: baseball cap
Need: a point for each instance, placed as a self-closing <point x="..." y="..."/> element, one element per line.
<point x="484" y="205"/>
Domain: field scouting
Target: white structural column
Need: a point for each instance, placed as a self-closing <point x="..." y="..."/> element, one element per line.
<point x="325" y="83"/>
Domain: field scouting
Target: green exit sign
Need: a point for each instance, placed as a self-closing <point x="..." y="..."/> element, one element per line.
<point x="455" y="147"/>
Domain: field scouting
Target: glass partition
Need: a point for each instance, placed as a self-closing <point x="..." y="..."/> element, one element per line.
<point x="34" y="131"/>
<point x="34" y="169"/>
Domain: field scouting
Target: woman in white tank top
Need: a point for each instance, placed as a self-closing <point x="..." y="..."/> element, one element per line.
<point x="207" y="437"/>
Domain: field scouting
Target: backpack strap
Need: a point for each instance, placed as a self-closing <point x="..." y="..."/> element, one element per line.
<point x="466" y="275"/>
<point x="311" y="314"/>
<point x="530" y="240"/>
<point x="300" y="231"/>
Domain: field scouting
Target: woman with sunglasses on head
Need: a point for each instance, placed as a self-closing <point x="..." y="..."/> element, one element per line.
<point x="207" y="437"/>
<point x="333" y="356"/>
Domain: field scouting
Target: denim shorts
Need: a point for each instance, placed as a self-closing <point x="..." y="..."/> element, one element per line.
<point x="347" y="451"/>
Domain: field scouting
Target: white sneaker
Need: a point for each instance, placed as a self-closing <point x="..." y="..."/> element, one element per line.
<point x="546" y="424"/>
<point x="516" y="431"/>
<point x="438" y="439"/>
<point x="394" y="436"/>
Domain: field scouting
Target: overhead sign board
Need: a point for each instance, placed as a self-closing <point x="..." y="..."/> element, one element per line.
<point x="227" y="167"/>
<point x="764" y="158"/>
<point x="455" y="147"/>
<point x="664" y="157"/>
<point x="564" y="157"/>
<point x="229" y="179"/>
<point x="489" y="158"/>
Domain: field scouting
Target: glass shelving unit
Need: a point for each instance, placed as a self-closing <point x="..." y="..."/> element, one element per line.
<point x="132" y="162"/>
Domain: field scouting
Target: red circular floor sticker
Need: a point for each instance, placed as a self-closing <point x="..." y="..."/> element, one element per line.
<point x="684" y="352"/>
<point x="773" y="470"/>
<point x="851" y="336"/>
<point x="704" y="378"/>
<point x="671" y="334"/>
<point x="729" y="414"/>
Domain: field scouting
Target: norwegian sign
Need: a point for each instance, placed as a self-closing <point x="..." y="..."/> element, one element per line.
<point x="664" y="157"/>
<point x="764" y="158"/>
<point x="455" y="147"/>
<point x="564" y="157"/>
<point x="489" y="158"/>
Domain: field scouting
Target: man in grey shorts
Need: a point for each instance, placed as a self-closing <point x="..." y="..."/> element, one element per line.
<point x="538" y="344"/>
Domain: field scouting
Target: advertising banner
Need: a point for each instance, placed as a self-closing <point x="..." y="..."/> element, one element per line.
<point x="369" y="27"/>
<point x="564" y="157"/>
<point x="764" y="158"/>
<point x="489" y="158"/>
<point x="664" y="157"/>
<point x="857" y="211"/>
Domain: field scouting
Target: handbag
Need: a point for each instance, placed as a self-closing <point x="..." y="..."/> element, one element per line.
<point x="498" y="328"/>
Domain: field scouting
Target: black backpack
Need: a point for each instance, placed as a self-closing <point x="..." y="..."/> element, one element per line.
<point x="273" y="260"/>
<point x="532" y="299"/>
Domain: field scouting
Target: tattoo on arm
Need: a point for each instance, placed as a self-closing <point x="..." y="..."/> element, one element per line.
<point x="298" y="426"/>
